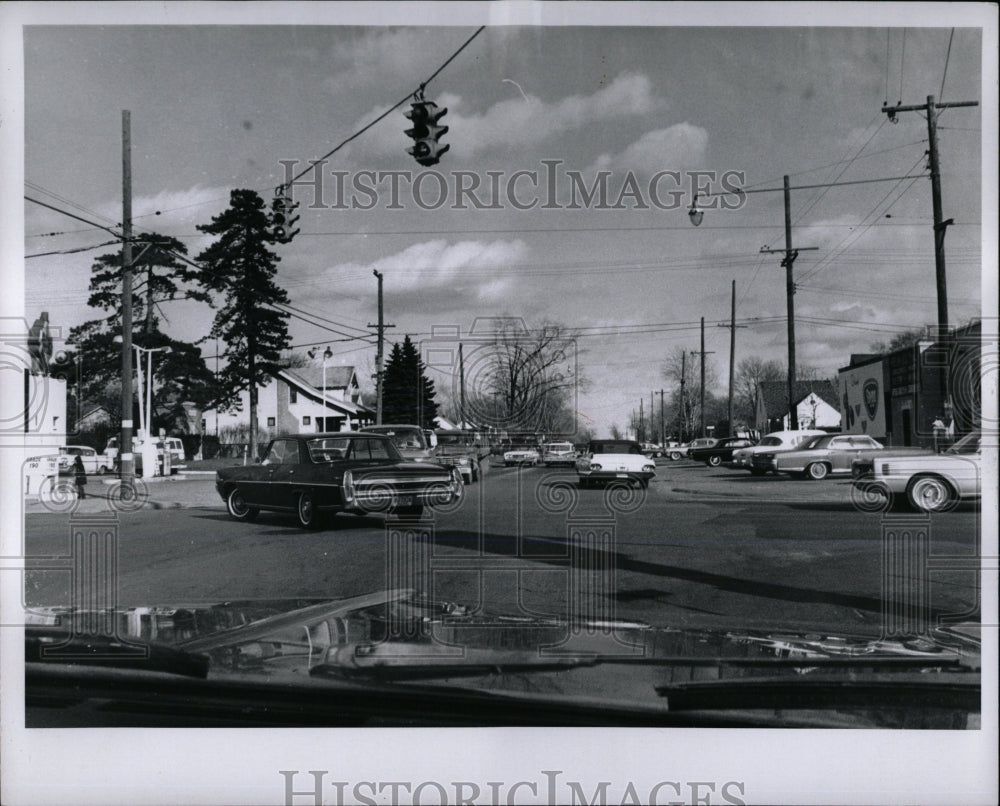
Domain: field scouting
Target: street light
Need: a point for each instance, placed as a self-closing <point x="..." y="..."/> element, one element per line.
<point x="695" y="214"/>
<point x="327" y="355"/>
<point x="146" y="416"/>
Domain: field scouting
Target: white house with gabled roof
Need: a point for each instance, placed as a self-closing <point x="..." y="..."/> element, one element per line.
<point x="300" y="400"/>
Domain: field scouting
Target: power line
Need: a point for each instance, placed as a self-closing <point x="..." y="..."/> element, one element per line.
<point x="387" y="112"/>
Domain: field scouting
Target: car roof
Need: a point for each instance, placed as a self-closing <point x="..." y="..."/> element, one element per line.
<point x="368" y="429"/>
<point x="331" y="434"/>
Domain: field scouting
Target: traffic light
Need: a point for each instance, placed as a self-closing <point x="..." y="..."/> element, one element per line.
<point x="282" y="218"/>
<point x="426" y="132"/>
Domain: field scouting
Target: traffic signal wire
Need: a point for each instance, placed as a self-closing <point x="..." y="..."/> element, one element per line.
<point x="385" y="114"/>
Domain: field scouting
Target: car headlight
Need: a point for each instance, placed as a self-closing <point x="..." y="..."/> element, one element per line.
<point x="649" y="468"/>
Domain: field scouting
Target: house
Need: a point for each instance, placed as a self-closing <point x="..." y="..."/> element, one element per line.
<point x="815" y="406"/>
<point x="299" y="399"/>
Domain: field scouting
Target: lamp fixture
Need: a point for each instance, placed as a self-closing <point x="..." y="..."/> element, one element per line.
<point x="695" y="214"/>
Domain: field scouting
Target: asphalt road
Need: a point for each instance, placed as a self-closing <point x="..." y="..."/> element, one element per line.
<point x="701" y="547"/>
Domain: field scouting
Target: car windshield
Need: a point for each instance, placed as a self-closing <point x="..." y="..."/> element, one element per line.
<point x="464" y="440"/>
<point x="558" y="446"/>
<point x="768" y="441"/>
<point x="615" y="447"/>
<point x="406" y="438"/>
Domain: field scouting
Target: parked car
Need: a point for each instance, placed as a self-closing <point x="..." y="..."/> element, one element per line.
<point x="411" y="441"/>
<point x="459" y="448"/>
<point x="558" y="453"/>
<point x="931" y="482"/>
<point x="652" y="450"/>
<point x="521" y="455"/>
<point x="823" y="456"/>
<point x="721" y="451"/>
<point x="614" y="460"/>
<point x="316" y="474"/>
<point x="93" y="462"/>
<point x="775" y="442"/>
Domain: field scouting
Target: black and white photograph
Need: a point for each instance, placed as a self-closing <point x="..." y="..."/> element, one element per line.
<point x="481" y="403"/>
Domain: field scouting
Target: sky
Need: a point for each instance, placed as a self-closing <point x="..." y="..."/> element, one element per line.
<point x="219" y="107"/>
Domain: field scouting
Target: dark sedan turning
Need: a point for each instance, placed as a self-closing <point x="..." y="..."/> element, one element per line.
<point x="315" y="474"/>
<point x="721" y="451"/>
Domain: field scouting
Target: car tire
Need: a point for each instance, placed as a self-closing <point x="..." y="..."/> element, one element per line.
<point x="931" y="494"/>
<point x="713" y="461"/>
<point x="306" y="512"/>
<point x="675" y="456"/>
<point x="818" y="471"/>
<point x="238" y="508"/>
<point x="101" y="470"/>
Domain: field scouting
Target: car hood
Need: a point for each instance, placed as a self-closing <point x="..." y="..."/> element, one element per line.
<point x="396" y="638"/>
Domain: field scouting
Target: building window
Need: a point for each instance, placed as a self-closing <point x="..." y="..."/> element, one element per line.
<point x="270" y="422"/>
<point x="293" y="397"/>
<point x="307" y="420"/>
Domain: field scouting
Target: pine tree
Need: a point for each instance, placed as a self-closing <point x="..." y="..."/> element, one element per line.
<point x="241" y="267"/>
<point x="160" y="275"/>
<point x="407" y="392"/>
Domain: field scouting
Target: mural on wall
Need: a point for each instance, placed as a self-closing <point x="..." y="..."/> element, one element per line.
<point x="861" y="392"/>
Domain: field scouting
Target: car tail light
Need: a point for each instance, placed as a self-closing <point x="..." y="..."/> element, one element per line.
<point x="348" y="487"/>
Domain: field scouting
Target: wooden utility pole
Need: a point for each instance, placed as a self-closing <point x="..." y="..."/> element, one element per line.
<point x="640" y="432"/>
<point x="701" y="358"/>
<point x="681" y="428"/>
<point x="379" y="352"/>
<point x="461" y="384"/>
<point x="125" y="458"/>
<point x="732" y="355"/>
<point x="788" y="263"/>
<point x="940" y="225"/>
<point x="663" y="433"/>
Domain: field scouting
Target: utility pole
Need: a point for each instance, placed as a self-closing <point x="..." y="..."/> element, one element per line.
<point x="683" y="377"/>
<point x="663" y="433"/>
<point x="640" y="432"/>
<point x="461" y="384"/>
<point x="788" y="263"/>
<point x="125" y="458"/>
<point x="940" y="225"/>
<point x="379" y="352"/>
<point x="732" y="355"/>
<point x="701" y="354"/>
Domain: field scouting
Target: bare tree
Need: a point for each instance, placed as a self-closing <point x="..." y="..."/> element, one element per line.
<point x="523" y="380"/>
<point x="751" y="372"/>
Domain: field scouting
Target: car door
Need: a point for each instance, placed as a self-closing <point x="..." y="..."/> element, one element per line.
<point x="286" y="474"/>
<point x="857" y="448"/>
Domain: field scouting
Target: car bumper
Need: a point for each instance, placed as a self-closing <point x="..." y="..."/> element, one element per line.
<point x="612" y="475"/>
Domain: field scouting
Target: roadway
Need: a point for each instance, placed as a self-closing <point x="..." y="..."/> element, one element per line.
<point x="700" y="547"/>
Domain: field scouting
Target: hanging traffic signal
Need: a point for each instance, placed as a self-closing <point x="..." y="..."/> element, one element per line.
<point x="282" y="218"/>
<point x="426" y="132"/>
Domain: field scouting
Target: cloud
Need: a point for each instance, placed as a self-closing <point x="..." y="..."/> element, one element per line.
<point x="526" y="119"/>
<point x="679" y="147"/>
<point x="434" y="264"/>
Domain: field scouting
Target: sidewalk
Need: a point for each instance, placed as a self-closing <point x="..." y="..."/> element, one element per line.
<point x="180" y="491"/>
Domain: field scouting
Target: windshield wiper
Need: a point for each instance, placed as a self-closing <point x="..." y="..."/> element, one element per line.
<point x="400" y="661"/>
<point x="47" y="646"/>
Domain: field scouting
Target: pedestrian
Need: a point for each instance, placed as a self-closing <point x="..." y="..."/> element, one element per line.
<point x="80" y="476"/>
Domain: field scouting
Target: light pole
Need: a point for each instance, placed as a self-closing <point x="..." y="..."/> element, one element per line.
<point x="147" y="446"/>
<point x="327" y="355"/>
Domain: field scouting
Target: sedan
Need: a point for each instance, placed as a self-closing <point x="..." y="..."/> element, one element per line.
<point x="931" y="482"/>
<point x="721" y="451"/>
<point x="521" y="456"/>
<point x="558" y="453"/>
<point x="93" y="462"/>
<point x="823" y="456"/>
<point x="316" y="474"/>
<point x="615" y="460"/>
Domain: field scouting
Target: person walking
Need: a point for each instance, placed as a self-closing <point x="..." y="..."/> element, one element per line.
<point x="80" y="476"/>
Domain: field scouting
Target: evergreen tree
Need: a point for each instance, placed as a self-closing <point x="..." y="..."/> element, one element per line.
<point x="407" y="392"/>
<point x="179" y="375"/>
<point x="241" y="267"/>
